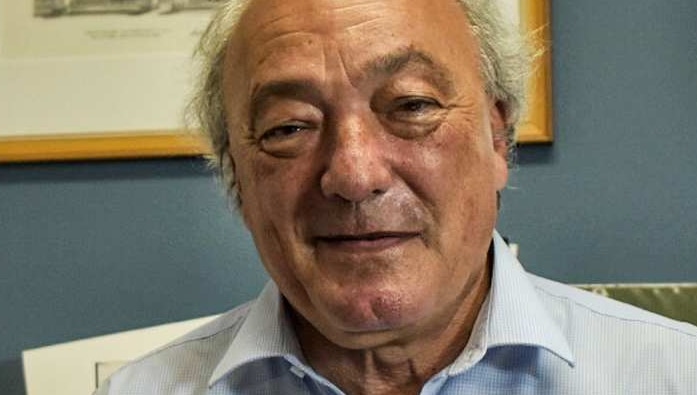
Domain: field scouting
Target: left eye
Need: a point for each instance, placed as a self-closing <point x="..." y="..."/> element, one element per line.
<point x="413" y="116"/>
<point x="415" y="105"/>
<point x="414" y="108"/>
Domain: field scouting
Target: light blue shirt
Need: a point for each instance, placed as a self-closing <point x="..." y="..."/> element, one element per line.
<point x="532" y="336"/>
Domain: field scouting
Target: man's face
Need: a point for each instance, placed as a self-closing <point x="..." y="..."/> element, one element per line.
<point x="365" y="160"/>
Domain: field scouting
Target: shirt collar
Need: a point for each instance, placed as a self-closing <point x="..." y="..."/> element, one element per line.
<point x="512" y="315"/>
<point x="265" y="333"/>
<point x="516" y="313"/>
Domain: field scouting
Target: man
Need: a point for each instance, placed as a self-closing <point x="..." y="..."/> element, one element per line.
<point x="366" y="144"/>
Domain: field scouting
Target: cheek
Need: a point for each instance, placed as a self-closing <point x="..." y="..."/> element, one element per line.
<point x="271" y="190"/>
<point x="253" y="183"/>
<point x="455" y="175"/>
<point x="452" y="162"/>
<point x="501" y="172"/>
<point x="265" y="209"/>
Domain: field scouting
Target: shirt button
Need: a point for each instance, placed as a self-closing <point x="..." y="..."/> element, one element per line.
<point x="297" y="371"/>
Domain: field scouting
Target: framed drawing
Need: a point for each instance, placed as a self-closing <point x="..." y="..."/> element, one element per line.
<point x="108" y="79"/>
<point x="97" y="78"/>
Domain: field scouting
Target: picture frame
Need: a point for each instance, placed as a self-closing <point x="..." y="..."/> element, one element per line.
<point x="537" y="124"/>
<point x="30" y="94"/>
<point x="97" y="79"/>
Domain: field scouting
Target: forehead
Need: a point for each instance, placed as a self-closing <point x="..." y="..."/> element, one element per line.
<point x="270" y="31"/>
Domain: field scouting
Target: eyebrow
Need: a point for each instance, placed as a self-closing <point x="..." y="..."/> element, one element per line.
<point x="303" y="89"/>
<point x="408" y="57"/>
<point x="387" y="64"/>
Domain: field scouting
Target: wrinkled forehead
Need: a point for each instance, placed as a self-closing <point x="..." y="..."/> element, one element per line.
<point x="360" y="27"/>
<point x="330" y="16"/>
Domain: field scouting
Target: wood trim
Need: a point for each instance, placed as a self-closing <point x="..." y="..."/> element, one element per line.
<point x="130" y="145"/>
<point x="537" y="126"/>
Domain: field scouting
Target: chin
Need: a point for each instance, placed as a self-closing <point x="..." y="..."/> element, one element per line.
<point x="379" y="312"/>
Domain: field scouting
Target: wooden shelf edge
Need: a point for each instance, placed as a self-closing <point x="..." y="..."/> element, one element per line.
<point x="132" y="145"/>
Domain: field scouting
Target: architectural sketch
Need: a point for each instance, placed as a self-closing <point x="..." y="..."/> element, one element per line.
<point x="55" y="8"/>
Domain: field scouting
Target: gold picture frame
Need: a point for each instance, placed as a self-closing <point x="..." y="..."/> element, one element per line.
<point x="94" y="146"/>
<point x="536" y="128"/>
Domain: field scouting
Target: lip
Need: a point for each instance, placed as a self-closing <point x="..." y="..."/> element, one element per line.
<point x="367" y="242"/>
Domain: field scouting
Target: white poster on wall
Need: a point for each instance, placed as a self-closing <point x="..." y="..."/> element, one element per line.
<point x="77" y="368"/>
<point x="95" y="66"/>
<point x="64" y="28"/>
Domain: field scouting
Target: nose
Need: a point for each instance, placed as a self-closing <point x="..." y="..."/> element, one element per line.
<point x="357" y="168"/>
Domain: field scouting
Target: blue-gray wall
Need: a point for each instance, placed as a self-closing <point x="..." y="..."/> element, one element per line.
<point x="93" y="248"/>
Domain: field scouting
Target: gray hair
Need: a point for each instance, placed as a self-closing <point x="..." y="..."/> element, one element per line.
<point x="504" y="59"/>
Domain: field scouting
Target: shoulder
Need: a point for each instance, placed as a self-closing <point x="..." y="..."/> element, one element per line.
<point x="619" y="344"/>
<point x="185" y="362"/>
<point x="611" y="333"/>
<point x="581" y="304"/>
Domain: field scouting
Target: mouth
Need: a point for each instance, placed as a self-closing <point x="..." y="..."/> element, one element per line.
<point x="367" y="242"/>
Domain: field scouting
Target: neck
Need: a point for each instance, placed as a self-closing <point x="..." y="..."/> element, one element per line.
<point x="401" y="366"/>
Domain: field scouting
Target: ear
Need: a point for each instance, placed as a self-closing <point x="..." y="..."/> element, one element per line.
<point x="233" y="185"/>
<point x="500" y="142"/>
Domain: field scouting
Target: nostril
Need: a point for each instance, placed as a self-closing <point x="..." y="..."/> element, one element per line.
<point x="354" y="188"/>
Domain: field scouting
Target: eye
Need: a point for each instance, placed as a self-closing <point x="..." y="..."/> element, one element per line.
<point x="414" y="108"/>
<point x="287" y="140"/>
<point x="285" y="127"/>
<point x="413" y="116"/>
<point x="415" y="105"/>
<point x="282" y="132"/>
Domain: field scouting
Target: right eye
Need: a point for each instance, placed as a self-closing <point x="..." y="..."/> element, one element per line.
<point x="286" y="127"/>
<point x="282" y="132"/>
<point x="287" y="140"/>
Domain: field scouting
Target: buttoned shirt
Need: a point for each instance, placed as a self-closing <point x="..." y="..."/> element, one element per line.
<point x="531" y="336"/>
